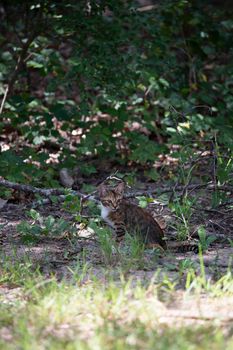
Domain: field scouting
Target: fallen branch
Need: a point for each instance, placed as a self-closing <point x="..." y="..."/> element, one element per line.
<point x="46" y="192"/>
<point x="191" y="187"/>
<point x="60" y="192"/>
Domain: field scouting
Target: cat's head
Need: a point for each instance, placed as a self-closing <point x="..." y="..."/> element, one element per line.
<point x="111" y="197"/>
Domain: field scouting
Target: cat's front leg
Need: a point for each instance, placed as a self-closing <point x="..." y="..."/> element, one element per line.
<point x="119" y="231"/>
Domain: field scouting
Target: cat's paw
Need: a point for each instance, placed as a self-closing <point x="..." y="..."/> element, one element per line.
<point x="154" y="246"/>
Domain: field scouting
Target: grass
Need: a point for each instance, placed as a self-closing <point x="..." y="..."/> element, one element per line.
<point x="91" y="313"/>
<point x="128" y="255"/>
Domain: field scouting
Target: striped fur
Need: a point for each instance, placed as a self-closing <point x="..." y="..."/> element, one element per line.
<point x="124" y="216"/>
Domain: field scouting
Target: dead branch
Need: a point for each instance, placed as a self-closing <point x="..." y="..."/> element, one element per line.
<point x="46" y="192"/>
<point x="49" y="192"/>
<point x="191" y="187"/>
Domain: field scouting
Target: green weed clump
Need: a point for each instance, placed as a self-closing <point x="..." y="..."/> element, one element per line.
<point x="43" y="226"/>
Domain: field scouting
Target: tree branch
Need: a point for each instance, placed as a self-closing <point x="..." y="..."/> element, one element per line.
<point x="45" y="192"/>
<point x="191" y="187"/>
<point x="48" y="192"/>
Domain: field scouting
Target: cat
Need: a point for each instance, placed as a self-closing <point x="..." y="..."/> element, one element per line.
<point x="124" y="216"/>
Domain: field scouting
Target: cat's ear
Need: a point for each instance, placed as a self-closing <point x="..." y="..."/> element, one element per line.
<point x="102" y="190"/>
<point x="120" y="188"/>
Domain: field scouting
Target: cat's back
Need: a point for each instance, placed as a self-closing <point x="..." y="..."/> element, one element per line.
<point x="135" y="214"/>
<point x="138" y="219"/>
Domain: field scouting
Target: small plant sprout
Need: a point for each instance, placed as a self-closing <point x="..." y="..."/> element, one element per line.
<point x="185" y="265"/>
<point x="183" y="211"/>
<point x="204" y="240"/>
<point x="80" y="271"/>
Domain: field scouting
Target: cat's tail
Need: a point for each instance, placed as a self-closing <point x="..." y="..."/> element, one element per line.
<point x="183" y="247"/>
<point x="155" y="246"/>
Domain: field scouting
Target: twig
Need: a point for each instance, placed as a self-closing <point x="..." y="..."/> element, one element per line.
<point x="211" y="210"/>
<point x="113" y="177"/>
<point x="214" y="223"/>
<point x="215" y="160"/>
<point x="228" y="202"/>
<point x="146" y="8"/>
<point x="4" y="98"/>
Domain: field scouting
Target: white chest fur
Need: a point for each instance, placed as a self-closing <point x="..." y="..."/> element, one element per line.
<point x="105" y="215"/>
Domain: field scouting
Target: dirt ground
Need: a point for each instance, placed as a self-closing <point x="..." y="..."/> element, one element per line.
<point x="59" y="255"/>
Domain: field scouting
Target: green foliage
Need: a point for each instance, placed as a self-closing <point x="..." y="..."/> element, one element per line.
<point x="185" y="265"/>
<point x="130" y="82"/>
<point x="199" y="282"/>
<point x="107" y="243"/>
<point x="43" y="226"/>
<point x="183" y="211"/>
<point x="128" y="255"/>
<point x="72" y="204"/>
<point x="136" y="248"/>
<point x="144" y="201"/>
<point x="204" y="240"/>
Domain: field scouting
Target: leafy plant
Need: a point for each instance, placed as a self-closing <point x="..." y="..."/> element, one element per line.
<point x="144" y="201"/>
<point x="183" y="212"/>
<point x="204" y="240"/>
<point x="43" y="226"/>
<point x="185" y="265"/>
<point x="72" y="204"/>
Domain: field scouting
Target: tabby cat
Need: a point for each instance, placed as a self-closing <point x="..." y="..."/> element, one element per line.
<point x="124" y="216"/>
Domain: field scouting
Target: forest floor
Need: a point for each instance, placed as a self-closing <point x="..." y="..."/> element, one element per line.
<point x="132" y="292"/>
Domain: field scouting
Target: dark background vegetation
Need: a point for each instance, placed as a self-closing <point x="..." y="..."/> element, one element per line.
<point x="115" y="84"/>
